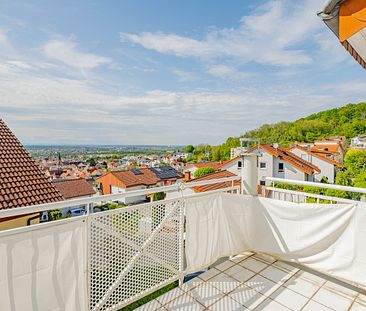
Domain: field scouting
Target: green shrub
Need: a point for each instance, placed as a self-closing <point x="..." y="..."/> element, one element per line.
<point x="203" y="171"/>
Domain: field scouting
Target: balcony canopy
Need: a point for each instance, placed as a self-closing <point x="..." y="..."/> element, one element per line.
<point x="347" y="20"/>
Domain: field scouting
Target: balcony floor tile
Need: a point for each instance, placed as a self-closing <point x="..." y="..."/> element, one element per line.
<point x="259" y="282"/>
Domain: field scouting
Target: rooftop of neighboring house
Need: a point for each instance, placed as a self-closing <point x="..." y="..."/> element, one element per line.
<point x="22" y="183"/>
<point x="73" y="188"/>
<point x="326" y="149"/>
<point x="319" y="156"/>
<point x="215" y="175"/>
<point x="289" y="157"/>
<point x="166" y="172"/>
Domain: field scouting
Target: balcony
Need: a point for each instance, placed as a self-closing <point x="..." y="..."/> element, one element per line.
<point x="252" y="281"/>
<point x="108" y="260"/>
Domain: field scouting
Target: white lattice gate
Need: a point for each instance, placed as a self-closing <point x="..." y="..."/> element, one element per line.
<point x="134" y="251"/>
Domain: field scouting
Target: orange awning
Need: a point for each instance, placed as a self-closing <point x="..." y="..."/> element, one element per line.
<point x="352" y="18"/>
<point x="347" y="20"/>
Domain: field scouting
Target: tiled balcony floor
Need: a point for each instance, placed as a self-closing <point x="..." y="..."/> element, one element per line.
<point x="254" y="282"/>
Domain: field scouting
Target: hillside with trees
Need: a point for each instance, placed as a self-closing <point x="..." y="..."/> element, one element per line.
<point x="349" y="121"/>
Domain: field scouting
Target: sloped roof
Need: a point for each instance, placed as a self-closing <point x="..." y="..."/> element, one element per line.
<point x="215" y="175"/>
<point x="130" y="179"/>
<point x="73" y="188"/>
<point x="166" y="172"/>
<point x="315" y="154"/>
<point x="290" y="158"/>
<point x="22" y="182"/>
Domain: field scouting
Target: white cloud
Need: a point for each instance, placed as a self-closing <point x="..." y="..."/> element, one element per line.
<point x="224" y="71"/>
<point x="184" y="76"/>
<point x="59" y="110"/>
<point x="67" y="52"/>
<point x="3" y="38"/>
<point x="269" y="36"/>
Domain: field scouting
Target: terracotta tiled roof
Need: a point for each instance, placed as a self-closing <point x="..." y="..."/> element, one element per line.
<point x="326" y="149"/>
<point x="129" y="179"/>
<point x="73" y="188"/>
<point x="216" y="175"/>
<point x="290" y="158"/>
<point x="22" y="183"/>
<point x="318" y="156"/>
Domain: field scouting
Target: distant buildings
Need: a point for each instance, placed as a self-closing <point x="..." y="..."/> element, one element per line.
<point x="359" y="141"/>
<point x="235" y="152"/>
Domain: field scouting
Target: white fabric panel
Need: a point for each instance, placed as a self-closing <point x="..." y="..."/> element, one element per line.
<point x="210" y="231"/>
<point x="327" y="238"/>
<point x="44" y="268"/>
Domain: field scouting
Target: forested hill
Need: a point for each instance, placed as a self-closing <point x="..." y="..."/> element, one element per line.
<point x="349" y="120"/>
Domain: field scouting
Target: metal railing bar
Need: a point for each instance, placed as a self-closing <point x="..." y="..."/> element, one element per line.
<point x="316" y="184"/>
<point x="108" y="197"/>
<point x="313" y="195"/>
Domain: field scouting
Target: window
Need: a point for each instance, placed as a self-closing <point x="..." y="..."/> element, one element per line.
<point x="328" y="155"/>
<point x="239" y="164"/>
<point x="263" y="165"/>
<point x="280" y="167"/>
<point x="262" y="182"/>
<point x="304" y="156"/>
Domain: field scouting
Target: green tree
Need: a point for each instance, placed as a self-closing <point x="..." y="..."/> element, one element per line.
<point x="202" y="171"/>
<point x="188" y="149"/>
<point x="343" y="178"/>
<point x="360" y="180"/>
<point x="91" y="162"/>
<point x="355" y="161"/>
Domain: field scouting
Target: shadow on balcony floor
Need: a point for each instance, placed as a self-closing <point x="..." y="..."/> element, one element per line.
<point x="256" y="282"/>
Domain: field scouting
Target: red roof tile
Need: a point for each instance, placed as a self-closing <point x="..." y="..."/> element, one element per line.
<point x="315" y="154"/>
<point x="129" y="179"/>
<point x="73" y="188"/>
<point x="22" y="183"/>
<point x="215" y="175"/>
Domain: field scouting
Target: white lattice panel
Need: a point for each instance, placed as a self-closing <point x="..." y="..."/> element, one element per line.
<point x="134" y="251"/>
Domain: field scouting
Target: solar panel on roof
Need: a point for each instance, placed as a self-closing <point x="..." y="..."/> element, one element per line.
<point x="165" y="172"/>
<point x="136" y="171"/>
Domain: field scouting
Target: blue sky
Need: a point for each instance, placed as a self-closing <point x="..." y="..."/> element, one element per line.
<point x="166" y="72"/>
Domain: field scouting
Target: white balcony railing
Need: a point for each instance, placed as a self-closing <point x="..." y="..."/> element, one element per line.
<point x="301" y="196"/>
<point x="97" y="261"/>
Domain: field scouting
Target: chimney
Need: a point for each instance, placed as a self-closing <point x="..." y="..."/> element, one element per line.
<point x="187" y="176"/>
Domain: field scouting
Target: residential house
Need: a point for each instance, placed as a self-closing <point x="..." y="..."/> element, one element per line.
<point x="235" y="152"/>
<point x="328" y="167"/>
<point x="72" y="189"/>
<point x="22" y="182"/>
<point x="137" y="179"/>
<point x="234" y="165"/>
<point x="276" y="161"/>
<point x="359" y="141"/>
<point x="330" y="148"/>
